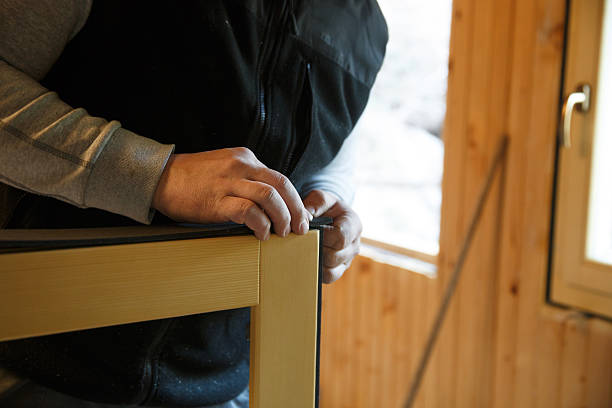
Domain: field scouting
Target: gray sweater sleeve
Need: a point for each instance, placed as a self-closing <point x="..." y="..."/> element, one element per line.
<point x="338" y="177"/>
<point x="50" y="148"/>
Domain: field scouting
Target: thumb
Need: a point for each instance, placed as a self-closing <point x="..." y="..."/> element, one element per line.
<point x="318" y="202"/>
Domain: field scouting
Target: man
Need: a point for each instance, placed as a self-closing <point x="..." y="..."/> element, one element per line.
<point x="244" y="105"/>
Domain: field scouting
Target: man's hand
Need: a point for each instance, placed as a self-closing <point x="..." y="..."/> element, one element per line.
<point x="340" y="244"/>
<point x="230" y="185"/>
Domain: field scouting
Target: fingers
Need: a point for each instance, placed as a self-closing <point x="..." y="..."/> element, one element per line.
<point x="243" y="211"/>
<point x="318" y="202"/>
<point x="347" y="227"/>
<point x="335" y="262"/>
<point x="341" y="242"/>
<point x="269" y="200"/>
<point x="299" y="217"/>
<point x="272" y="191"/>
<point x="333" y="258"/>
<point x="330" y="275"/>
<point x="230" y="184"/>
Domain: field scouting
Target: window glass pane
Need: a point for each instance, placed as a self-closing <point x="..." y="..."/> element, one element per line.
<point x="400" y="162"/>
<point x="599" y="236"/>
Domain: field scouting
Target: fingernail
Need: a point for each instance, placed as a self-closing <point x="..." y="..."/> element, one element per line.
<point x="303" y="227"/>
<point x="310" y="210"/>
<point x="310" y="216"/>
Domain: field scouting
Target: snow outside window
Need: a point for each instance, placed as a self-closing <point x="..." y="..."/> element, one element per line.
<point x="399" y="170"/>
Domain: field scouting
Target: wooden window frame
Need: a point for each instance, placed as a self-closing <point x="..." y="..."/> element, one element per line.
<point x="53" y="291"/>
<point x="576" y="281"/>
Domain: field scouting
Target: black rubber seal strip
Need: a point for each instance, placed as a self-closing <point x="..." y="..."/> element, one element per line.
<point x="320" y="223"/>
<point x="66" y="241"/>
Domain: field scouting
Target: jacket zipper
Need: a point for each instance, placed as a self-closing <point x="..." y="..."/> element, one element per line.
<point x="271" y="45"/>
<point x="295" y="151"/>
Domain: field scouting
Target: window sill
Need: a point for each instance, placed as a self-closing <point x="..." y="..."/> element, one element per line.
<point x="413" y="261"/>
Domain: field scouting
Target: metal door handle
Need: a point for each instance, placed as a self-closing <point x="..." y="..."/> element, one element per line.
<point x="581" y="99"/>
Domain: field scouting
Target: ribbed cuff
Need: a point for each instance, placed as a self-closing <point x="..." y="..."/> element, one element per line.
<point x="125" y="175"/>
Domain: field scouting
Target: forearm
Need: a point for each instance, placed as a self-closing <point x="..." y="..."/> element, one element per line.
<point x="338" y="176"/>
<point x="49" y="148"/>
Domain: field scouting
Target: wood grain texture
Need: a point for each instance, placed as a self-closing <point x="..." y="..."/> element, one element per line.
<point x="599" y="365"/>
<point x="70" y="289"/>
<point x="284" y="324"/>
<point x="502" y="345"/>
<point x="370" y="341"/>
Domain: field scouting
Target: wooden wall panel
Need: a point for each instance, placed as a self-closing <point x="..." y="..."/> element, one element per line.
<point x="599" y="365"/>
<point x="374" y="324"/>
<point x="501" y="345"/>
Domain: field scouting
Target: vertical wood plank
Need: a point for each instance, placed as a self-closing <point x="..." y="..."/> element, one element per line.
<point x="477" y="288"/>
<point x="284" y="324"/>
<point x="430" y="389"/>
<point x="452" y="220"/>
<point x="599" y="365"/>
<point x="475" y="49"/>
<point x="349" y="316"/>
<point x="549" y="366"/>
<point x="334" y="350"/>
<point x="405" y="346"/>
<point x="573" y="390"/>
<point x="361" y="283"/>
<point x="421" y="327"/>
<point x="390" y="328"/>
<point x="533" y="114"/>
<point x="510" y="287"/>
<point x="375" y="354"/>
